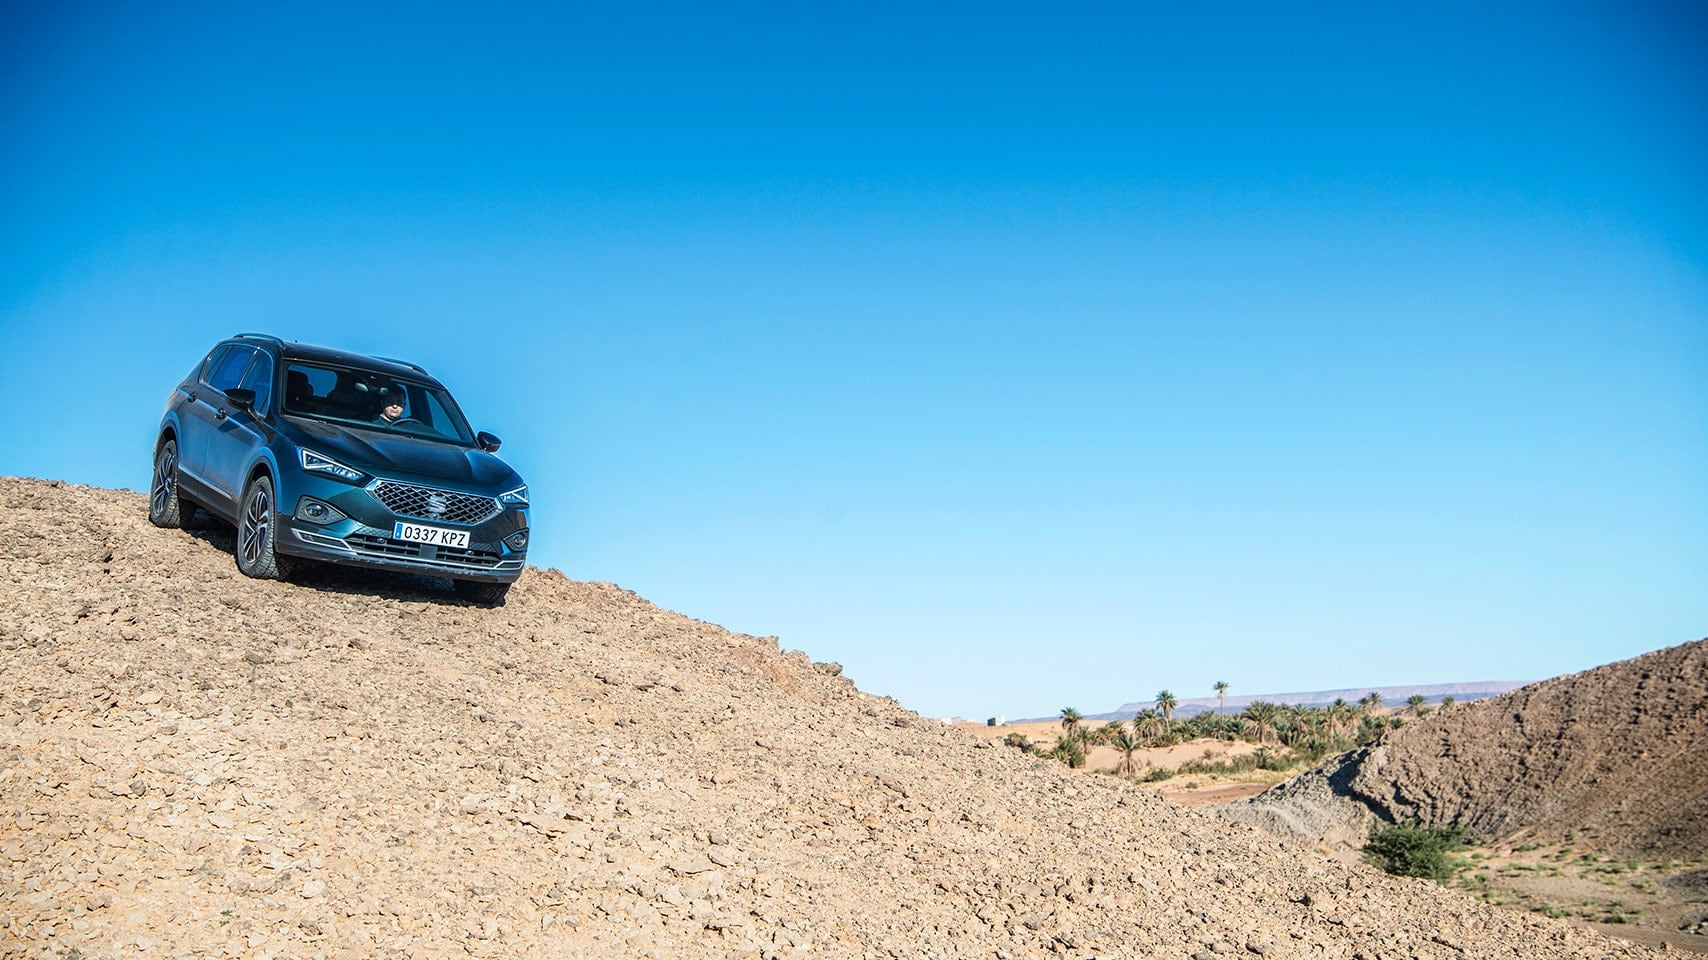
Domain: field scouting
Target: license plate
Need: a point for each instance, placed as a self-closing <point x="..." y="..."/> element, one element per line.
<point x="436" y="536"/>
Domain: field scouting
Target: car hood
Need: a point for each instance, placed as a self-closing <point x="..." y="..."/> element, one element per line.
<point x="398" y="455"/>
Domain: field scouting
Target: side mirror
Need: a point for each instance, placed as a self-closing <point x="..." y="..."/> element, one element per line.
<point x="487" y="442"/>
<point x="241" y="397"/>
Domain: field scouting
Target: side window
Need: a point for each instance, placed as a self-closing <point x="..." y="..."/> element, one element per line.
<point x="260" y="379"/>
<point x="306" y="388"/>
<point x="228" y="371"/>
<point x="211" y="364"/>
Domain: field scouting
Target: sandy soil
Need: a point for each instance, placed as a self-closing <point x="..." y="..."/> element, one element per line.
<point x="1101" y="758"/>
<point x="1196" y="793"/>
<point x="1651" y="902"/>
<point x="1194" y="790"/>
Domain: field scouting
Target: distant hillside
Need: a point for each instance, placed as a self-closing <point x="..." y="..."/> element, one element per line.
<point x="1615" y="758"/>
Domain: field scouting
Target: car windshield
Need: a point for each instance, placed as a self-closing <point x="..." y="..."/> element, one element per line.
<point x="374" y="400"/>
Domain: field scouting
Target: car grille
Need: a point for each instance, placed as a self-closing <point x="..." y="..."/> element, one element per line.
<point x="376" y="546"/>
<point x="427" y="503"/>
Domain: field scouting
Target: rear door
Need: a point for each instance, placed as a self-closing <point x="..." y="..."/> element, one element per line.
<point x="203" y="417"/>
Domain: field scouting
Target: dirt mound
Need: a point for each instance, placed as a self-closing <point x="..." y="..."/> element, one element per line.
<point x="1613" y="759"/>
<point x="195" y="764"/>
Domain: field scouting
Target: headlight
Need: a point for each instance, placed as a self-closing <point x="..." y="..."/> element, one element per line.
<point x="319" y="463"/>
<point x="515" y="498"/>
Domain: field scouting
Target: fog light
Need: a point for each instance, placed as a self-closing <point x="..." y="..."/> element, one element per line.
<point x="318" y="511"/>
<point x="517" y="541"/>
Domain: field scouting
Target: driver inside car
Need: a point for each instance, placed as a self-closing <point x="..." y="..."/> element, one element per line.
<point x="391" y="407"/>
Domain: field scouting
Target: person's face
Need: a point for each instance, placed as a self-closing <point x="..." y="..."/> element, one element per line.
<point x="393" y="409"/>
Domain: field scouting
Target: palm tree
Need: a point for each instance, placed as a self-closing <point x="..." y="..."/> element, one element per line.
<point x="1069" y="750"/>
<point x="1371" y="702"/>
<point x="1262" y="715"/>
<point x="1166" y="703"/>
<point x="1106" y="733"/>
<point x="1070" y="719"/>
<point x="1085" y="737"/>
<point x="1126" y="744"/>
<point x="1339" y="717"/>
<point x="1369" y="728"/>
<point x="1235" y="727"/>
<point x="1303" y="718"/>
<point x="1415" y="702"/>
<point x="1221" y="688"/>
<point x="1148" y="725"/>
<point x="1448" y="701"/>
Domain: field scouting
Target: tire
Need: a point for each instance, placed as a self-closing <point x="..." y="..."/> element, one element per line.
<point x="165" y="507"/>
<point x="485" y="594"/>
<point x="257" y="529"/>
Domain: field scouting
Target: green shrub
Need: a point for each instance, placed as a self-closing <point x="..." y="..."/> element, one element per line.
<point x="1412" y="850"/>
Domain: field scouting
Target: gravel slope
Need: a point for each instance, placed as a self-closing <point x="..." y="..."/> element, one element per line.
<point x="1616" y="758"/>
<point x="197" y="765"/>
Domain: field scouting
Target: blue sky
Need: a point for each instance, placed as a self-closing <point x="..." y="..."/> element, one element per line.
<point x="1016" y="357"/>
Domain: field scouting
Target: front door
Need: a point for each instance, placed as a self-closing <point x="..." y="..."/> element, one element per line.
<point x="237" y="432"/>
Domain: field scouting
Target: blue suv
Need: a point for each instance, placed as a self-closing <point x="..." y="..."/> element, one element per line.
<point x="319" y="454"/>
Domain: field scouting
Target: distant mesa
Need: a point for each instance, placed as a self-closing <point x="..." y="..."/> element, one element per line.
<point x="1431" y="693"/>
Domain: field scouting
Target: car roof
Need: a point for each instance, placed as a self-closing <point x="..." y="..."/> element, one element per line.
<point x="294" y="350"/>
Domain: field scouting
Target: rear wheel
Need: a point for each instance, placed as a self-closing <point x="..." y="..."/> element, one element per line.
<point x="165" y="507"/>
<point x="485" y="594"/>
<point x="257" y="529"/>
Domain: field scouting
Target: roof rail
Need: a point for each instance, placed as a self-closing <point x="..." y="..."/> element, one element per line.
<point x="258" y="336"/>
<point x="405" y="363"/>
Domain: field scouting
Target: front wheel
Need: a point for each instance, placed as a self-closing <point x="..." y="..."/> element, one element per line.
<point x="257" y="529"/>
<point x="485" y="594"/>
<point x="165" y="507"/>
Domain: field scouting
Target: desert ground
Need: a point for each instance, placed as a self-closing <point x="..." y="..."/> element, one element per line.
<point x="349" y="765"/>
<point x="1657" y="900"/>
<point x="1586" y="796"/>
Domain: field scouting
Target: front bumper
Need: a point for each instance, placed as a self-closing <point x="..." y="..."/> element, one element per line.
<point x="363" y="537"/>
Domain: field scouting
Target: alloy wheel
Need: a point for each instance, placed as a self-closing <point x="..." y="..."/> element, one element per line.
<point x="165" y="480"/>
<point x="257" y="521"/>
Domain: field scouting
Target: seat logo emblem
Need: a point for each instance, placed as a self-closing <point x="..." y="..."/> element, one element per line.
<point x="436" y="505"/>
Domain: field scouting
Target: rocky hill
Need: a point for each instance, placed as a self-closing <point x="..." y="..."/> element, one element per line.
<point x="1616" y="758"/>
<point x="193" y="764"/>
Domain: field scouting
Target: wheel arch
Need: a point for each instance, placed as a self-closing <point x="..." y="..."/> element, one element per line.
<point x="262" y="467"/>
